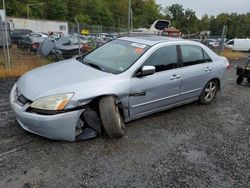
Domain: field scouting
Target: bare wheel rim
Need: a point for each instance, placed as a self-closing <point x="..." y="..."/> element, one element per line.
<point x="210" y="91"/>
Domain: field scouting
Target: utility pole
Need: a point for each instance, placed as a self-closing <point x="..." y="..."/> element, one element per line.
<point x="78" y="36"/>
<point x="129" y="18"/>
<point x="3" y="40"/>
<point x="223" y="36"/>
<point x="131" y="22"/>
<point x="27" y="11"/>
<point x="6" y="36"/>
<point x="29" y="5"/>
<point x="118" y="24"/>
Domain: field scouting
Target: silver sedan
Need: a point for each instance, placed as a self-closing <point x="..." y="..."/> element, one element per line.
<point x="123" y="80"/>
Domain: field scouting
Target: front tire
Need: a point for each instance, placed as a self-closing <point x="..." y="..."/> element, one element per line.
<point x="209" y="92"/>
<point x="111" y="118"/>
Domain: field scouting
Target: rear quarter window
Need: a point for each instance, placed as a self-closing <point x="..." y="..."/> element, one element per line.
<point x="193" y="55"/>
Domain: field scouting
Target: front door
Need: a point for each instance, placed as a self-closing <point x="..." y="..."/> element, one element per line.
<point x="153" y="92"/>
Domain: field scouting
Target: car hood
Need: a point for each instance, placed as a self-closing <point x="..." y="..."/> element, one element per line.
<point x="59" y="77"/>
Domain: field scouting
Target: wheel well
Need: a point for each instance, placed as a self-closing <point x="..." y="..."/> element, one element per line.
<point x="218" y="81"/>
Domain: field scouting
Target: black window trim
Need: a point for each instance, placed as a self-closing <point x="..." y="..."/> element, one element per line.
<point x="179" y="56"/>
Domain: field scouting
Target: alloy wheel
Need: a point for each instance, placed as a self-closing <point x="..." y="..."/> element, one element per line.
<point x="210" y="91"/>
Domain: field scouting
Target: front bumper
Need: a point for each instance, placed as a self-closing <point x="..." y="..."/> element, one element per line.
<point x="58" y="127"/>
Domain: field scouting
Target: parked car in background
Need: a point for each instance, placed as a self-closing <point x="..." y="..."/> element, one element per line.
<point x="170" y="32"/>
<point x="107" y="39"/>
<point x="64" y="47"/>
<point x="122" y="80"/>
<point x="17" y="34"/>
<point x="239" y="45"/>
<point x="55" y="36"/>
<point x="30" y="43"/>
<point x="213" y="43"/>
<point x="94" y="42"/>
<point x="43" y="35"/>
<point x="196" y="40"/>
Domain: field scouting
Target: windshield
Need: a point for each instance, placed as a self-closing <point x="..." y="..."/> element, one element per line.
<point x="116" y="56"/>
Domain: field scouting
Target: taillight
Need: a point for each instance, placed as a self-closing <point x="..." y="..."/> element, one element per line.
<point x="228" y="67"/>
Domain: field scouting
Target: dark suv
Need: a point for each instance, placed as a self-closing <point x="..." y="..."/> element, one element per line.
<point x="17" y="34"/>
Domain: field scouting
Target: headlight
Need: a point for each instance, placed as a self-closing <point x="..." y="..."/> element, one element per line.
<point x="55" y="102"/>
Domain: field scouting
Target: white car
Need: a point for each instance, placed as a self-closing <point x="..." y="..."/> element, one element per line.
<point x="213" y="43"/>
<point x="43" y="35"/>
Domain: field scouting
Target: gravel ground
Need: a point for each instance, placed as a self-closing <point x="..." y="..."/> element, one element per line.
<point x="190" y="146"/>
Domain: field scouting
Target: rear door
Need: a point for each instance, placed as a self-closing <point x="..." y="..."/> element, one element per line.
<point x="153" y="92"/>
<point x="196" y="71"/>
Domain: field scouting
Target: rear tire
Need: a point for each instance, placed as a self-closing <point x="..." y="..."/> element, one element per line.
<point x="239" y="80"/>
<point x="209" y="92"/>
<point x="111" y="118"/>
<point x="248" y="80"/>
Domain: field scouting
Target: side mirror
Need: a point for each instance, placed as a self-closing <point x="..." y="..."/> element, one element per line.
<point x="145" y="71"/>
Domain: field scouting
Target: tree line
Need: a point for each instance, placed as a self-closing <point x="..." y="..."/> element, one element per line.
<point x="115" y="14"/>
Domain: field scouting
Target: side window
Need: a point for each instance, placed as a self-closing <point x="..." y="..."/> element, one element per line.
<point x="192" y="55"/>
<point x="62" y="27"/>
<point x="231" y="42"/>
<point x="163" y="59"/>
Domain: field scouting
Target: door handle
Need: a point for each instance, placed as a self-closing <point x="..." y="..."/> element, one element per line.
<point x="174" y="77"/>
<point x="208" y="69"/>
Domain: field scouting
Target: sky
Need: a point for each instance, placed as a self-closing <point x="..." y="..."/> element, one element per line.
<point x="211" y="7"/>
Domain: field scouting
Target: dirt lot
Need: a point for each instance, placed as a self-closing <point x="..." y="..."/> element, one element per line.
<point x="190" y="146"/>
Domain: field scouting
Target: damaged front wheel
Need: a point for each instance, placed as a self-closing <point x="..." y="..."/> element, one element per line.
<point x="111" y="118"/>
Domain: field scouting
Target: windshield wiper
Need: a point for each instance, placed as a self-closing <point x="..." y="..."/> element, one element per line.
<point x="93" y="65"/>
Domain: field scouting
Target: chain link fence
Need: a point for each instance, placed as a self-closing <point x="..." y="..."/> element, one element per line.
<point x="5" y="44"/>
<point x="95" y="29"/>
<point x="28" y="52"/>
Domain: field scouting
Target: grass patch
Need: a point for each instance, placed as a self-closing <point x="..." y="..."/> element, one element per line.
<point x="229" y="54"/>
<point x="21" y="62"/>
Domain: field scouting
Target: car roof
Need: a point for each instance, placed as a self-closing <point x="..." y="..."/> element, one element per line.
<point x="150" y="40"/>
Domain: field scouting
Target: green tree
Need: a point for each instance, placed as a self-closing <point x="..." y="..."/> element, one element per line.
<point x="55" y="9"/>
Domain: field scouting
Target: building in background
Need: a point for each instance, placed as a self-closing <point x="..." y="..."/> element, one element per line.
<point x="38" y="25"/>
